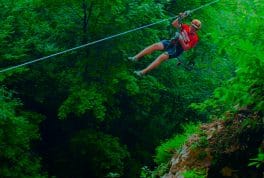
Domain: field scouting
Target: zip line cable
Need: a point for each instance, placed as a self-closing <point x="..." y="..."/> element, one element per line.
<point x="100" y="40"/>
<point x="208" y="4"/>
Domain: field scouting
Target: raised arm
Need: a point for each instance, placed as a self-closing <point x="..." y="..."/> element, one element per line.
<point x="177" y="22"/>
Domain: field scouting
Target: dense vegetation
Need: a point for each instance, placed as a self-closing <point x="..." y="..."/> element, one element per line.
<point x="84" y="113"/>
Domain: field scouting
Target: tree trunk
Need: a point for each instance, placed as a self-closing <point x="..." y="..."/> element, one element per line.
<point x="87" y="12"/>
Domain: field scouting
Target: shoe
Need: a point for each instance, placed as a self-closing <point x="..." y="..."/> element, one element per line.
<point x="133" y="59"/>
<point x="138" y="73"/>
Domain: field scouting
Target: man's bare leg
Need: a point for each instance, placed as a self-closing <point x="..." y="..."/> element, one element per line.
<point x="149" y="50"/>
<point x="156" y="63"/>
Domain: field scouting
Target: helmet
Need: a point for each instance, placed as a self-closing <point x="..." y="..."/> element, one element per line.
<point x="196" y="24"/>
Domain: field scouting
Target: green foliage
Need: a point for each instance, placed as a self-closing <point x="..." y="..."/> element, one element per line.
<point x="19" y="42"/>
<point x="257" y="161"/>
<point x="149" y="94"/>
<point x="96" y="83"/>
<point x="112" y="175"/>
<point x="194" y="174"/>
<point x="90" y="82"/>
<point x="202" y="143"/>
<point x="162" y="169"/>
<point x="17" y="130"/>
<point x="145" y="172"/>
<point x="83" y="100"/>
<point x="101" y="152"/>
<point x="102" y="67"/>
<point x="165" y="150"/>
<point x="246" y="87"/>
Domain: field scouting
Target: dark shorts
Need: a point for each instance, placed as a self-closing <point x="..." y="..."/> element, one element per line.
<point x="173" y="50"/>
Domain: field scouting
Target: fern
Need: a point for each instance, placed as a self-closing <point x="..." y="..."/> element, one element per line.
<point x="257" y="161"/>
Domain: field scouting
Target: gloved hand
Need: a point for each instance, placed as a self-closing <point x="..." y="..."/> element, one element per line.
<point x="175" y="39"/>
<point x="185" y="14"/>
<point x="177" y="35"/>
<point x="180" y="37"/>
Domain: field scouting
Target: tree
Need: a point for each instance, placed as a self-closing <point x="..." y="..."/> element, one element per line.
<point x="91" y="153"/>
<point x="17" y="131"/>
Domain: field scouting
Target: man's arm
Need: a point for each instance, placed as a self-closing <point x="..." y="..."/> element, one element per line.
<point x="177" y="22"/>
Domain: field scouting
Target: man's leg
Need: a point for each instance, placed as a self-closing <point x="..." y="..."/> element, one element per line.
<point x="156" y="63"/>
<point x="149" y="50"/>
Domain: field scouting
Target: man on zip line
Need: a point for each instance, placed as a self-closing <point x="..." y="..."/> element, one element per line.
<point x="183" y="41"/>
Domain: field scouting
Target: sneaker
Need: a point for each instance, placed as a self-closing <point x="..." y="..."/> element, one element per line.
<point x="138" y="73"/>
<point x="132" y="59"/>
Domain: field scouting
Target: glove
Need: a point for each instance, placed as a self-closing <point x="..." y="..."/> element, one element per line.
<point x="180" y="37"/>
<point x="184" y="14"/>
<point x="177" y="35"/>
<point x="187" y="13"/>
<point x="175" y="38"/>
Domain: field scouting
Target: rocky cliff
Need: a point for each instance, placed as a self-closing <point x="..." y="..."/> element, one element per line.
<point x="222" y="148"/>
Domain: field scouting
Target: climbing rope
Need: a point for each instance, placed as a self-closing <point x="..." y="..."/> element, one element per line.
<point x="97" y="41"/>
